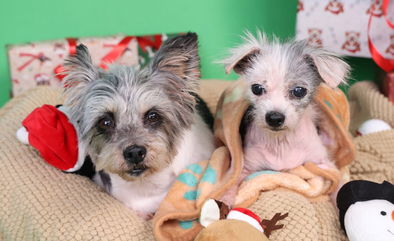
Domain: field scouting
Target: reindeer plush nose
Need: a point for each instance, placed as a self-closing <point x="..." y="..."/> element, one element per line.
<point x="274" y="119"/>
<point x="134" y="154"/>
<point x="392" y="215"/>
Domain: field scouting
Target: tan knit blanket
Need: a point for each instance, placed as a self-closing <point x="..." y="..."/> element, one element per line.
<point x="38" y="202"/>
<point x="375" y="152"/>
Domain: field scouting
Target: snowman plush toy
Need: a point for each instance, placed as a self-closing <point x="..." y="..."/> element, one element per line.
<point x="366" y="210"/>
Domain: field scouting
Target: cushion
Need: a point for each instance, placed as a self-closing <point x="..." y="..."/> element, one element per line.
<point x="39" y="202"/>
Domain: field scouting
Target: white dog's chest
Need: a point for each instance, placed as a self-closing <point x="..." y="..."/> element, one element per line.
<point x="270" y="153"/>
<point x="143" y="197"/>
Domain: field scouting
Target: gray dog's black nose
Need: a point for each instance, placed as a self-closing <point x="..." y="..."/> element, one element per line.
<point x="134" y="154"/>
<point x="274" y="119"/>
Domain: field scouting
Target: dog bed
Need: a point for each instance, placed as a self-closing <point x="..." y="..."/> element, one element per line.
<point x="39" y="202"/>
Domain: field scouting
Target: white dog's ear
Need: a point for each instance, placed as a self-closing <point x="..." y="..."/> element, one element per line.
<point x="243" y="62"/>
<point x="332" y="69"/>
<point x="242" y="57"/>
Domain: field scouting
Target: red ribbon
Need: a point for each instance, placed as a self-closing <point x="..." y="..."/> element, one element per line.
<point x="385" y="6"/>
<point x="146" y="41"/>
<point x="72" y="44"/>
<point x="116" y="51"/>
<point x="384" y="63"/>
<point x="72" y="49"/>
<point x="119" y="49"/>
<point x="39" y="56"/>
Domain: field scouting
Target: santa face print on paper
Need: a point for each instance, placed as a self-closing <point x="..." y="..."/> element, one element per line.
<point x="370" y="220"/>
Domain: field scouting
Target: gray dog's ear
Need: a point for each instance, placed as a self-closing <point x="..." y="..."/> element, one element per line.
<point x="80" y="71"/>
<point x="332" y="69"/>
<point x="179" y="56"/>
<point x="80" y="68"/>
<point x="242" y="57"/>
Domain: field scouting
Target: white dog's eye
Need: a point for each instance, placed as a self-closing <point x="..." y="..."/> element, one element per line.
<point x="298" y="92"/>
<point x="152" y="116"/>
<point x="257" y="89"/>
<point x="383" y="213"/>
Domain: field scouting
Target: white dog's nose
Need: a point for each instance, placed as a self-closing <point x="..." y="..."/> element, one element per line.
<point x="275" y="119"/>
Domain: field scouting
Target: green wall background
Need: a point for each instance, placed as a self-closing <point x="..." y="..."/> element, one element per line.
<point x="217" y="22"/>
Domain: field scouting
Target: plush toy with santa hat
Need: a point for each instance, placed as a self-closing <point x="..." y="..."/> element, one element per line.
<point x="237" y="224"/>
<point x="48" y="129"/>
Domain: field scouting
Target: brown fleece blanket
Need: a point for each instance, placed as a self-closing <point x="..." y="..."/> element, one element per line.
<point x="177" y="217"/>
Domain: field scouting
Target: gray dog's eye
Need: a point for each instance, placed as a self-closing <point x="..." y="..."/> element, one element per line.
<point x="298" y="92"/>
<point x="258" y="89"/>
<point x="105" y="123"/>
<point x="152" y="118"/>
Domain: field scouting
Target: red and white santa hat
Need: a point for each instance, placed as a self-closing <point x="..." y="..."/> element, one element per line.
<point x="246" y="215"/>
<point x="49" y="130"/>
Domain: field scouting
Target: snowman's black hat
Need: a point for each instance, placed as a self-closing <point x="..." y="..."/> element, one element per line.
<point x="361" y="190"/>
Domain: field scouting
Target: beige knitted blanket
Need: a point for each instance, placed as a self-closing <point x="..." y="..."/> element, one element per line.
<point x="39" y="202"/>
<point x="375" y="152"/>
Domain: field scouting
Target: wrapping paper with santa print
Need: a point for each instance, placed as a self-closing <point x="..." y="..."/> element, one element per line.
<point x="37" y="64"/>
<point x="342" y="26"/>
<point x="177" y="216"/>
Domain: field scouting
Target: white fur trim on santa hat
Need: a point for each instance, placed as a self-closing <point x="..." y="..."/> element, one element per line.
<point x="81" y="159"/>
<point x="81" y="148"/>
<point x="238" y="215"/>
<point x="22" y="135"/>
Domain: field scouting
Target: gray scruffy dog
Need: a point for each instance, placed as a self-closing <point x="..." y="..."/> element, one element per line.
<point x="140" y="127"/>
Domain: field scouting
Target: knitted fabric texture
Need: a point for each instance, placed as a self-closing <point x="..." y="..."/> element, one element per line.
<point x="38" y="202"/>
<point x="375" y="152"/>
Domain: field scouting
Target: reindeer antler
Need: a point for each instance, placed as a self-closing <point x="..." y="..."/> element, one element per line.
<point x="224" y="209"/>
<point x="270" y="225"/>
